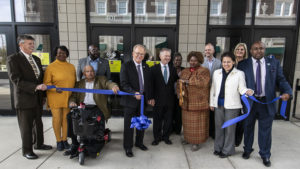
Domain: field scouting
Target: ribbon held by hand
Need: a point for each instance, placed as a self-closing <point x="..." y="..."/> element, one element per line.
<point x="141" y="122"/>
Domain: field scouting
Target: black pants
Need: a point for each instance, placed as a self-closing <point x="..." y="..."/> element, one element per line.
<point x="128" y="132"/>
<point x="212" y="124"/>
<point x="31" y="128"/>
<point x="177" y="117"/>
<point x="239" y="132"/>
<point x="162" y="122"/>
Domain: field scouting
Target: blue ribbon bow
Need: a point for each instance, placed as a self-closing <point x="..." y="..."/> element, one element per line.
<point x="141" y="122"/>
<point x="245" y="100"/>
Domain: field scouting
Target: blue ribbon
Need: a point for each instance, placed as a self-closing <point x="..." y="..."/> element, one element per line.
<point x="141" y="122"/>
<point x="245" y="100"/>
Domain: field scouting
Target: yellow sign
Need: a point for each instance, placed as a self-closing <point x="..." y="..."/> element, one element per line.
<point x="115" y="66"/>
<point x="152" y="63"/>
<point x="45" y="58"/>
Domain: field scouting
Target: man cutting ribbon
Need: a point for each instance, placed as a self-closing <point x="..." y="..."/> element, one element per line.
<point x="262" y="74"/>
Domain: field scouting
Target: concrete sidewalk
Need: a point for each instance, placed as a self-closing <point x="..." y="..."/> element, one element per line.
<point x="285" y="151"/>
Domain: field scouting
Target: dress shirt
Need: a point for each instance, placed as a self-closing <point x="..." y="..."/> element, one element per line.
<point x="210" y="63"/>
<point x="27" y="57"/>
<point x="94" y="63"/>
<point x="89" y="97"/>
<point x="263" y="74"/>
<point x="163" y="69"/>
<point x="141" y="68"/>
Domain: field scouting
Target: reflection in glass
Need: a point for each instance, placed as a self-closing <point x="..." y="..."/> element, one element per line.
<point x="5" y="96"/>
<point x="218" y="12"/>
<point x="153" y="46"/>
<point x="111" y="47"/>
<point x="34" y="11"/>
<point x="155" y="11"/>
<point x="3" y="53"/>
<point x="275" y="47"/>
<point x="273" y="12"/>
<point x="110" y="11"/>
<point x="5" y="12"/>
<point x="222" y="45"/>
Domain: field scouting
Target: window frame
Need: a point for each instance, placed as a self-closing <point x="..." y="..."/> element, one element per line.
<point x="97" y="7"/>
<point x="144" y="7"/>
<point x="118" y="7"/>
<point x="157" y="6"/>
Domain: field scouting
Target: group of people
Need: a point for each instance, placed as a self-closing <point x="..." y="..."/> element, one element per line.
<point x="197" y="99"/>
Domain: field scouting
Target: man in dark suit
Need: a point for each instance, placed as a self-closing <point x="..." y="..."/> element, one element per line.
<point x="26" y="74"/>
<point x="100" y="65"/>
<point x="163" y="77"/>
<point x="262" y="75"/>
<point x="134" y="78"/>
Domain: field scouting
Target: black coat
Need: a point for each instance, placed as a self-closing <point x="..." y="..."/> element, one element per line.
<point x="129" y="82"/>
<point x="163" y="93"/>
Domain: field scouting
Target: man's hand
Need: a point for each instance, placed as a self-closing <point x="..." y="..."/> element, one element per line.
<point x="72" y="104"/>
<point x="249" y="92"/>
<point x="58" y="90"/>
<point x="285" y="97"/>
<point x="42" y="87"/>
<point x="115" y="89"/>
<point x="138" y="97"/>
<point x="151" y="102"/>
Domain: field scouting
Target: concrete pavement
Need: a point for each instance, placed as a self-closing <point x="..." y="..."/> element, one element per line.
<point x="285" y="151"/>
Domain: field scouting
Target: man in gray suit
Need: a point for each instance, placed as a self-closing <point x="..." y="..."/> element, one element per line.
<point x="212" y="64"/>
<point x="99" y="64"/>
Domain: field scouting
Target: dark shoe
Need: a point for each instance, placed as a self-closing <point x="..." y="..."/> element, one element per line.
<point x="142" y="147"/>
<point x="155" y="142"/>
<point x="43" y="147"/>
<point x="67" y="153"/>
<point x="217" y="153"/>
<point x="66" y="144"/>
<point x="30" y="156"/>
<point x="222" y="155"/>
<point x="167" y="141"/>
<point x="60" y="146"/>
<point x="246" y="155"/>
<point x="129" y="153"/>
<point x="266" y="161"/>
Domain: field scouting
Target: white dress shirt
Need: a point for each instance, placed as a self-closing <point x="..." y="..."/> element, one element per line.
<point x="163" y="69"/>
<point x="89" y="98"/>
<point x="263" y="74"/>
<point x="136" y="64"/>
<point x="27" y="57"/>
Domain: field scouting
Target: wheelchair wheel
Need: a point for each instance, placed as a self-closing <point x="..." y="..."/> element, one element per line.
<point x="81" y="158"/>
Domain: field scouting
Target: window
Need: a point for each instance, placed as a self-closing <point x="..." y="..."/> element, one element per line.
<point x="173" y="8"/>
<point x="283" y="9"/>
<point x="160" y="8"/>
<point x="101" y="7"/>
<point x="215" y="7"/>
<point x="5" y="11"/>
<point x="140" y="7"/>
<point x="122" y="7"/>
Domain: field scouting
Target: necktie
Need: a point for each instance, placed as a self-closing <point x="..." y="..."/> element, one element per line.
<point x="140" y="79"/>
<point x="258" y="79"/>
<point x="33" y="66"/>
<point x="165" y="74"/>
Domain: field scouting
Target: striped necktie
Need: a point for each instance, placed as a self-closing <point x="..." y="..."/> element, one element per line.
<point x="33" y="66"/>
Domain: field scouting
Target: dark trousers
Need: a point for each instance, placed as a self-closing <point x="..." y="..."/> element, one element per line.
<point x="212" y="124"/>
<point x="128" y="132"/>
<point x="162" y="122"/>
<point x="239" y="132"/>
<point x="265" y="120"/>
<point x="31" y="128"/>
<point x="177" y="117"/>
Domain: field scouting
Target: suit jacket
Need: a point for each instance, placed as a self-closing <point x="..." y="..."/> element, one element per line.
<point x="101" y="100"/>
<point x="103" y="68"/>
<point x="274" y="77"/>
<point x="162" y="92"/>
<point x="235" y="86"/>
<point x="129" y="81"/>
<point x="215" y="65"/>
<point x="24" y="82"/>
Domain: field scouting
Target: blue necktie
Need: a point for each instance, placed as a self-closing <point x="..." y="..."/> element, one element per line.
<point x="140" y="79"/>
<point x="165" y="74"/>
<point x="258" y="90"/>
